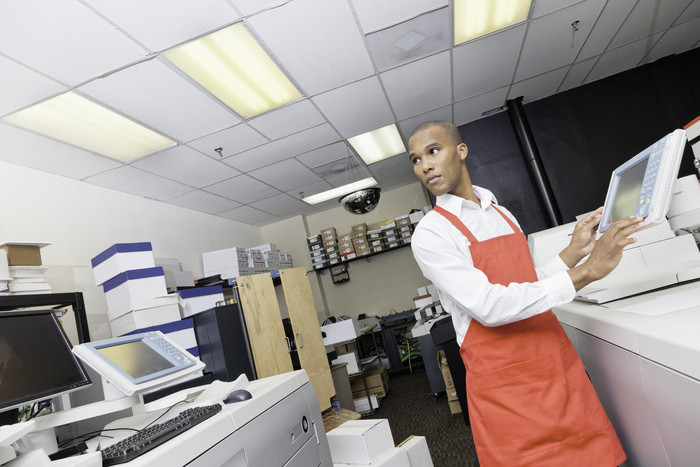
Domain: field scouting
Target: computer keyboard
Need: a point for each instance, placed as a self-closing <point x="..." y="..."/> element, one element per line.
<point x="155" y="435"/>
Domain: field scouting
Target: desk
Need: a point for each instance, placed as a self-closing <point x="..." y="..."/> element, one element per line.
<point x="646" y="371"/>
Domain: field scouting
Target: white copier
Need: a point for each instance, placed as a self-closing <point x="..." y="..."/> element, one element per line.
<point x="637" y="332"/>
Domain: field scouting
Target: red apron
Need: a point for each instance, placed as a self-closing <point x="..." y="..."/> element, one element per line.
<point x="530" y="400"/>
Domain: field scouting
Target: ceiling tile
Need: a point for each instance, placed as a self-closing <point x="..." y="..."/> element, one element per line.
<point x="199" y="200"/>
<point x="27" y="86"/>
<point x="336" y="44"/>
<point x="243" y="189"/>
<point x="232" y="141"/>
<point x="249" y="215"/>
<point x="577" y="74"/>
<point x="620" y="59"/>
<point x="343" y="105"/>
<point x="160" y="24"/>
<point x="414" y="39"/>
<point x="131" y="180"/>
<point x="648" y="17"/>
<point x="408" y="94"/>
<point x="397" y="168"/>
<point x="473" y="108"/>
<point x="349" y="165"/>
<point x="28" y="149"/>
<point x="605" y="29"/>
<point x="250" y="7"/>
<point x="187" y="166"/>
<point x="79" y="47"/>
<point x="538" y="87"/>
<point x="281" y="205"/>
<point x="323" y="155"/>
<point x="284" y="148"/>
<point x="285" y="175"/>
<point x="544" y="7"/>
<point x="692" y="12"/>
<point x="470" y="79"/>
<point x="407" y="126"/>
<point x="550" y="41"/>
<point x="154" y="85"/>
<point x="375" y="15"/>
<point x="676" y="40"/>
<point x="287" y="120"/>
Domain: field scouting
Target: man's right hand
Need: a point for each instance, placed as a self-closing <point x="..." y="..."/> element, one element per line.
<point x="607" y="253"/>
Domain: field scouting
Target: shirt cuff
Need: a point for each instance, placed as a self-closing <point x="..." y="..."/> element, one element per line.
<point x="553" y="267"/>
<point x="560" y="289"/>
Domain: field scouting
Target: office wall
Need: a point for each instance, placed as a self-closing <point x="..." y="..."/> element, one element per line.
<point x="377" y="285"/>
<point x="81" y="220"/>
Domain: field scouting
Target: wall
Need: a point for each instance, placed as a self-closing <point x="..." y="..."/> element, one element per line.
<point x="81" y="220"/>
<point x="378" y="284"/>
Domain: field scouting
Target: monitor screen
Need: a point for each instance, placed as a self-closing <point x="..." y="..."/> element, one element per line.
<point x="137" y="363"/>
<point x="36" y="361"/>
<point x="643" y="186"/>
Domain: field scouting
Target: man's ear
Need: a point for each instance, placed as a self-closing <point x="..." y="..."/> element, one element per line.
<point x="463" y="150"/>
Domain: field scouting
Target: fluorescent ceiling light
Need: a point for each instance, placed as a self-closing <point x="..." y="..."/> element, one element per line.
<point x="474" y="18"/>
<point x="232" y="66"/>
<point x="377" y="145"/>
<point x="340" y="191"/>
<point x="79" y="121"/>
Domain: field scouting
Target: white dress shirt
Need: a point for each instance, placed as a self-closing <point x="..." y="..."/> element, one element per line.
<point x="442" y="253"/>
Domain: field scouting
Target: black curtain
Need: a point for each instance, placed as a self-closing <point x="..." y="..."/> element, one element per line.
<point x="583" y="134"/>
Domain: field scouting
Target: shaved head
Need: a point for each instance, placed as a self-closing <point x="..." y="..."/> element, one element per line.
<point x="448" y="127"/>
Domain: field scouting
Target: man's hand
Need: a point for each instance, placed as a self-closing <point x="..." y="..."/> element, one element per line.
<point x="607" y="252"/>
<point x="582" y="240"/>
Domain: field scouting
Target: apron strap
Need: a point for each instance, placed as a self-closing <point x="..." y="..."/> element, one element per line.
<point x="457" y="223"/>
<point x="463" y="228"/>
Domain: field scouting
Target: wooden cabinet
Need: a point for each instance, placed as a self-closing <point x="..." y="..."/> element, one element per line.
<point x="268" y="342"/>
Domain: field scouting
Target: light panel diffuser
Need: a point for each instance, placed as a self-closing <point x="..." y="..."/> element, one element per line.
<point x="232" y="66"/>
<point x="379" y="144"/>
<point x="474" y="18"/>
<point x="79" y="121"/>
<point x="340" y="191"/>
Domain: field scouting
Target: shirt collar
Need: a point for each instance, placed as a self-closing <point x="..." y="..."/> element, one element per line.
<point x="454" y="204"/>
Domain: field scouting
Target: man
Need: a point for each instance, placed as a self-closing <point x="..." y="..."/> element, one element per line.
<point x="530" y="400"/>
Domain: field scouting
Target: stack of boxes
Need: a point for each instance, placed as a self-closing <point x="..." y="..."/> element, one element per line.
<point x="319" y="260"/>
<point x="377" y="380"/>
<point x="136" y="294"/>
<point x="324" y="248"/>
<point x="359" y="239"/>
<point x="371" y="443"/>
<point x="346" y="250"/>
<point x="21" y="270"/>
<point x="234" y="262"/>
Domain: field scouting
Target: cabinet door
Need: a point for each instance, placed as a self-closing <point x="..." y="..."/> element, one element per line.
<point x="307" y="333"/>
<point x="264" y="323"/>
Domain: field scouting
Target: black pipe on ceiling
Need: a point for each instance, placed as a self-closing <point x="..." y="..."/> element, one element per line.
<point x="531" y="155"/>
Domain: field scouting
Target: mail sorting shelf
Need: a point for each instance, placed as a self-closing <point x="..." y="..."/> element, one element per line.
<point x="364" y="363"/>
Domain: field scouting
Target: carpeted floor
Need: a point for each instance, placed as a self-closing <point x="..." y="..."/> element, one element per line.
<point x="411" y="411"/>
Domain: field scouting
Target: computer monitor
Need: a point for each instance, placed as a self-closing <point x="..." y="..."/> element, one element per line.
<point x="643" y="186"/>
<point x="36" y="362"/>
<point x="140" y="362"/>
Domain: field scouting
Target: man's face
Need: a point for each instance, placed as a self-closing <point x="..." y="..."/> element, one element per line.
<point x="437" y="161"/>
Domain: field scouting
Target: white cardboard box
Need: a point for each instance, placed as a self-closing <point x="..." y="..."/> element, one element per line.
<point x="362" y="403"/>
<point x="145" y="318"/>
<point x="121" y="257"/>
<point x="351" y="359"/>
<point x="223" y="259"/>
<point x="393" y="458"/>
<point x="141" y="304"/>
<point x="199" y="299"/>
<point x="341" y="331"/>
<point x="360" y="441"/>
<point x="134" y="285"/>
<point x="416" y="448"/>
